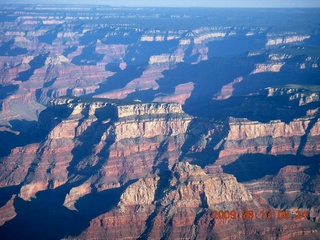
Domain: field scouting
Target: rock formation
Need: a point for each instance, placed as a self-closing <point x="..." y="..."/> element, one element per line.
<point x="294" y="188"/>
<point x="44" y="55"/>
<point x="148" y="123"/>
<point x="127" y="142"/>
<point x="183" y="207"/>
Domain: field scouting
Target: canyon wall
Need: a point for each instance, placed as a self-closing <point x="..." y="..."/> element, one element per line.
<point x="183" y="205"/>
<point x="96" y="145"/>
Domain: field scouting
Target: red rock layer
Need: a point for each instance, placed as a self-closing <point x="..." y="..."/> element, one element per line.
<point x="7" y="212"/>
<point x="184" y="210"/>
<point x="295" y="188"/>
<point x="111" y="144"/>
<point x="275" y="137"/>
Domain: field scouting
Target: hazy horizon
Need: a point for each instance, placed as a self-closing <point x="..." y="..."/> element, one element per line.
<point x="184" y="3"/>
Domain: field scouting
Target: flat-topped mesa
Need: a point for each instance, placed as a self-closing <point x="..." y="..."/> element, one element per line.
<point x="60" y="101"/>
<point x="303" y="94"/>
<point x="120" y="109"/>
<point x="141" y="109"/>
<point x="72" y="102"/>
<point x="132" y="119"/>
<point x="244" y="129"/>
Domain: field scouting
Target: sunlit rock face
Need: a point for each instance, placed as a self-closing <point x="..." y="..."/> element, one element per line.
<point x="47" y="52"/>
<point x="183" y="205"/>
<point x="275" y="137"/>
<point x="127" y="142"/>
<point x="95" y="145"/>
<point x="130" y="123"/>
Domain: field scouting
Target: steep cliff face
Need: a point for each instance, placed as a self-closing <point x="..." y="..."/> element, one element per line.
<point x="294" y="188"/>
<point x="94" y="145"/>
<point x="146" y="137"/>
<point x="108" y="142"/>
<point x="125" y="142"/>
<point x="183" y="207"/>
<point x="275" y="137"/>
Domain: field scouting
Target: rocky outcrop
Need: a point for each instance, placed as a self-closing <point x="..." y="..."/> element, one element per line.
<point x="128" y="141"/>
<point x="275" y="137"/>
<point x="142" y="109"/>
<point x="183" y="207"/>
<point x="294" y="188"/>
<point x="140" y="193"/>
<point x="209" y="34"/>
<point x="299" y="93"/>
<point x="47" y="75"/>
<point x="83" y="148"/>
<point x="227" y="90"/>
<point x="75" y="194"/>
<point x="7" y="212"/>
<point x="286" y="39"/>
<point x="271" y="67"/>
<point x="181" y="93"/>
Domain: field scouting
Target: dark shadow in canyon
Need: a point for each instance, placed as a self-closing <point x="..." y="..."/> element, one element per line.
<point x="139" y="54"/>
<point x="91" y="37"/>
<point x="247" y="100"/>
<point x="8" y="90"/>
<point x="255" y="108"/>
<point x="87" y="142"/>
<point x="45" y="217"/>
<point x="88" y="56"/>
<point x="237" y="45"/>
<point x="197" y="129"/>
<point x="35" y="63"/>
<point x="51" y="34"/>
<point x="208" y="78"/>
<point x="304" y="138"/>
<point x="23" y="134"/>
<point x="289" y="74"/>
<point x="137" y="58"/>
<point x="255" y="166"/>
<point x="8" y="49"/>
<point x="122" y="36"/>
<point x="6" y="193"/>
<point x="161" y="185"/>
<point x="32" y="131"/>
<point x="120" y="79"/>
<point x="69" y="50"/>
<point x="311" y="185"/>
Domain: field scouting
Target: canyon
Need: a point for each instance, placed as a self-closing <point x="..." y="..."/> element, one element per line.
<point x="140" y="123"/>
<point x="97" y="146"/>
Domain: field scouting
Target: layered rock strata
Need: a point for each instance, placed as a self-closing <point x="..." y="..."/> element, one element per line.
<point x="275" y="137"/>
<point x="295" y="188"/>
<point x="100" y="142"/>
<point x="183" y="207"/>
